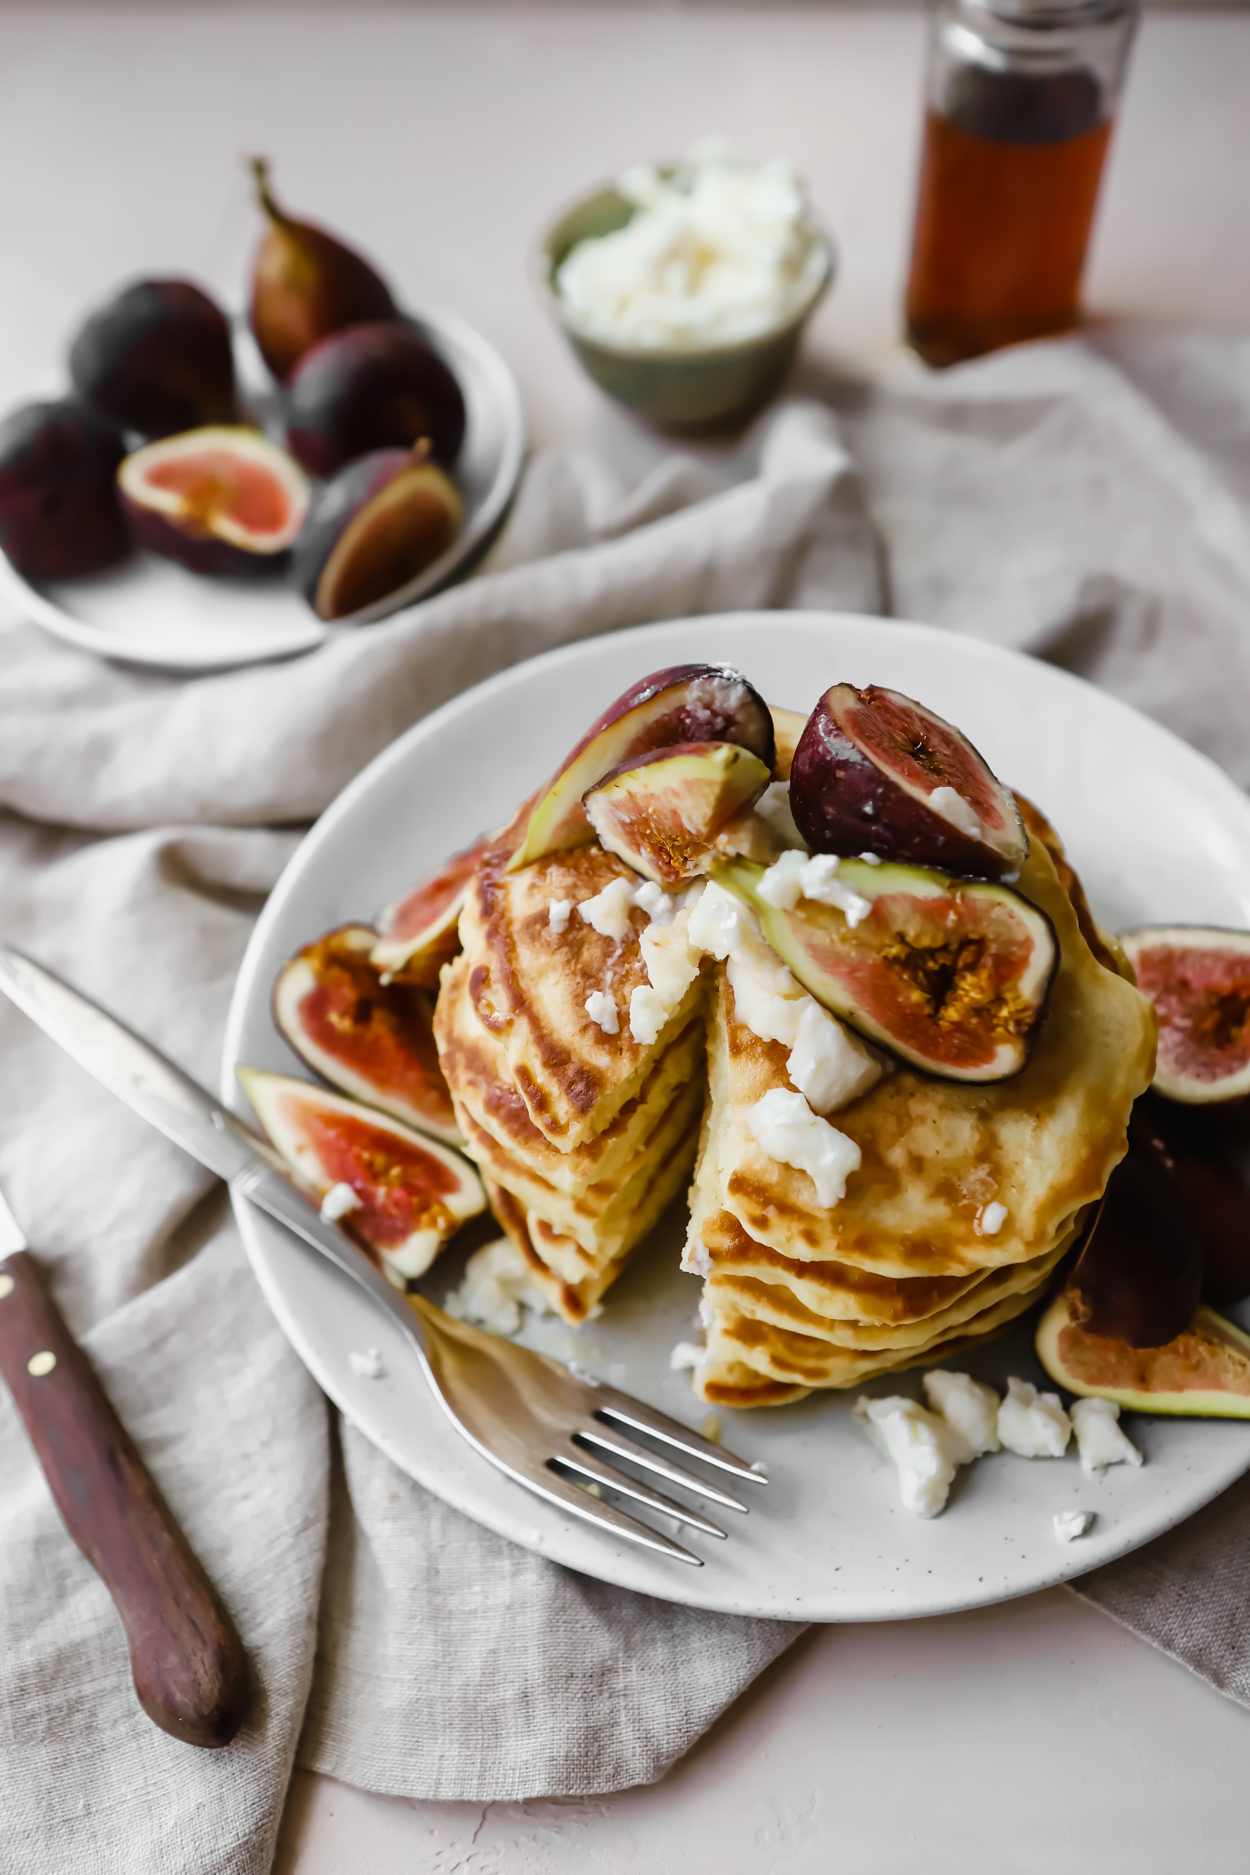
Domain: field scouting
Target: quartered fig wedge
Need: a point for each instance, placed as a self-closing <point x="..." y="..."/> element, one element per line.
<point x="419" y="932"/>
<point x="686" y="703"/>
<point x="1202" y="1373"/>
<point x="1198" y="979"/>
<point x="950" y="975"/>
<point x="373" y="1040"/>
<point x="661" y="813"/>
<point x="1138" y="1278"/>
<point x="399" y="1194"/>
<point x="875" y="772"/>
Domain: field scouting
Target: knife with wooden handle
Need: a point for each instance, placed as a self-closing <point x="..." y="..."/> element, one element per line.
<point x="188" y="1664"/>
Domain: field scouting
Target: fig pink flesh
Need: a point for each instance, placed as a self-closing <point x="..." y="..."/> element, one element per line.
<point x="429" y="907"/>
<point x="217" y="483"/>
<point x="401" y="1187"/>
<point x="1203" y="1001"/>
<point x="924" y="753"/>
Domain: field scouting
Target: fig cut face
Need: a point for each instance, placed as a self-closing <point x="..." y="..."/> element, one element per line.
<point x="686" y="703"/>
<point x="1201" y="1373"/>
<point x="1138" y="1278"/>
<point x="372" y="1040"/>
<point x="219" y="500"/>
<point x="380" y="522"/>
<point x="1198" y="979"/>
<point x="875" y="772"/>
<point x="410" y="1193"/>
<point x="662" y="813"/>
<point x="420" y="931"/>
<point x="951" y="976"/>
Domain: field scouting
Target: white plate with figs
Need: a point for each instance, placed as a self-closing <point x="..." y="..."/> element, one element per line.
<point x="1157" y="834"/>
<point x="151" y="611"/>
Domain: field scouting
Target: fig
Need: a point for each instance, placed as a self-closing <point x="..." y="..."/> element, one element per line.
<point x="1198" y="979"/>
<point x="305" y="284"/>
<point x="372" y="1040"/>
<point x="397" y="1193"/>
<point x="60" y="516"/>
<point x="686" y="703"/>
<point x="875" y="772"/>
<point x="950" y="975"/>
<point x="1213" y="1192"/>
<point x="221" y="500"/>
<point x="1138" y="1278"/>
<point x="376" y="525"/>
<point x="661" y="813"/>
<point x="419" y="933"/>
<point x="378" y="386"/>
<point x="1203" y="1372"/>
<point x="157" y="359"/>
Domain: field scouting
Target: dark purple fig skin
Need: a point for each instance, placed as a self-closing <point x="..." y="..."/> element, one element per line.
<point x="379" y="523"/>
<point x="746" y="720"/>
<point x="373" y="386"/>
<point x="1214" y="1193"/>
<point x="1139" y="1277"/>
<point x="337" y="503"/>
<point x="844" y="803"/>
<point x="157" y="359"/>
<point x="60" y="517"/>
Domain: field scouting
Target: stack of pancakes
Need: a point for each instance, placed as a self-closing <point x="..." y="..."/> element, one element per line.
<point x="582" y="1136"/>
<point x="907" y="1268"/>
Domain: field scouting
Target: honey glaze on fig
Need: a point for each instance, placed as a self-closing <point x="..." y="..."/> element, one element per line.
<point x="382" y="1031"/>
<point x="401" y="1187"/>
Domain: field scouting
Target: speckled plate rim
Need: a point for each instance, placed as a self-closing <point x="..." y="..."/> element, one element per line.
<point x="1153" y="826"/>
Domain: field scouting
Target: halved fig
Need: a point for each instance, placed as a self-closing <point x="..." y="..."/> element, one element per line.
<point x="1202" y="1373"/>
<point x="950" y="975"/>
<point x="686" y="703"/>
<point x="1138" y="1278"/>
<point x="373" y="1040"/>
<point x="380" y="521"/>
<point x="875" y="772"/>
<point x="1213" y="1192"/>
<point x="222" y="500"/>
<point x="661" y="813"/>
<point x="419" y="932"/>
<point x="1198" y="979"/>
<point x="398" y="1194"/>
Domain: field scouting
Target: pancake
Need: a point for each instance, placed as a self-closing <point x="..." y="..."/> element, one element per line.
<point x="935" y="1153"/>
<point x="528" y="986"/>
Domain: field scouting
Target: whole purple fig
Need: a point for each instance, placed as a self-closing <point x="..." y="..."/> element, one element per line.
<point x="60" y="516"/>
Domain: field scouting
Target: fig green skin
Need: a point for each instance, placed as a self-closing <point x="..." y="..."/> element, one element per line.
<point x="374" y="386"/>
<point x="1138" y="1278"/>
<point x="336" y="504"/>
<point x="845" y="802"/>
<point x="60" y="517"/>
<point x="157" y="359"/>
<point x="690" y="789"/>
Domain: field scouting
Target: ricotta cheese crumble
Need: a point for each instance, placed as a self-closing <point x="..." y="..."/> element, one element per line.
<point x="1033" y="1424"/>
<point x="1100" y="1439"/>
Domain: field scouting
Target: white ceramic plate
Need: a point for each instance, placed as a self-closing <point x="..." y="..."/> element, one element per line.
<point x="1157" y="833"/>
<point x="151" y="611"/>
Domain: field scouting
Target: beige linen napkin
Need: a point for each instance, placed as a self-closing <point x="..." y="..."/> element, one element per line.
<point x="135" y="850"/>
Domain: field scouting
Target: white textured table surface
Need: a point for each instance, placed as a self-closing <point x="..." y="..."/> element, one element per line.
<point x="1025" y="1738"/>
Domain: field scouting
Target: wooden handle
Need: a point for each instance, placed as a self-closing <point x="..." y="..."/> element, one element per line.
<point x="189" y="1668"/>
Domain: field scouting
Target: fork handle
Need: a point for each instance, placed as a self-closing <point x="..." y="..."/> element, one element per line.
<point x="186" y="1658"/>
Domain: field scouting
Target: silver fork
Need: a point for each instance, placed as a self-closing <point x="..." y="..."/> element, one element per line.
<point x="560" y="1436"/>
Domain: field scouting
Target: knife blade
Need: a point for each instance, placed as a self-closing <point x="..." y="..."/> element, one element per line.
<point x="186" y="1658"/>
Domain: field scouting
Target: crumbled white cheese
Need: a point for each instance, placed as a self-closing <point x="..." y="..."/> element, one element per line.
<point x="766" y="997"/>
<point x="718" y="921"/>
<point x="822" y="885"/>
<point x="991" y="1220"/>
<point x="785" y="1128"/>
<point x="497" y="1285"/>
<point x="600" y="1006"/>
<point x="608" y="912"/>
<point x="871" y="859"/>
<point x="367" y="1365"/>
<point x="338" y="1201"/>
<point x="696" y="1257"/>
<point x="919" y="1443"/>
<point x="1070" y="1524"/>
<point x="1033" y="1424"/>
<point x="685" y="1357"/>
<point x="759" y="1467"/>
<point x="654" y="900"/>
<point x="647" y="1014"/>
<point x="953" y="808"/>
<point x="1100" y="1438"/>
<point x="671" y="964"/>
<point x="773" y="808"/>
<point x="827" y="1063"/>
<point x="558" y="913"/>
<point x="969" y="1408"/>
<point x="782" y="884"/>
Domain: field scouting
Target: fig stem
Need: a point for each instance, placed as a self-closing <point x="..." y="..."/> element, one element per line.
<point x="259" y="166"/>
<point x="421" y="449"/>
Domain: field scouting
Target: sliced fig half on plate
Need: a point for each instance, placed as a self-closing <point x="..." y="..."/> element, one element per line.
<point x="1198" y="978"/>
<point x="419" y="932"/>
<point x="1202" y="1373"/>
<point x="373" y="1040"/>
<point x="399" y="1194"/>
<point x="661" y="813"/>
<point x="222" y="500"/>
<point x="686" y="703"/>
<point x="876" y="772"/>
<point x="950" y="975"/>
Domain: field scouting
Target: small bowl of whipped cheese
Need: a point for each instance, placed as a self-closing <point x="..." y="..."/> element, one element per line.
<point x="684" y="288"/>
